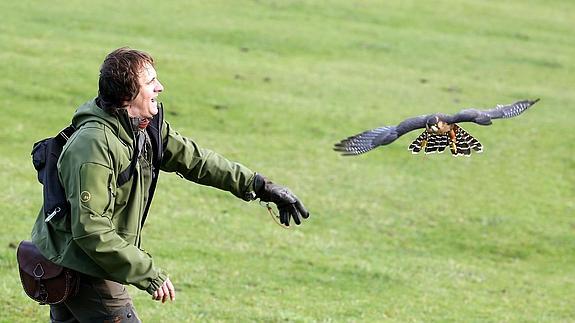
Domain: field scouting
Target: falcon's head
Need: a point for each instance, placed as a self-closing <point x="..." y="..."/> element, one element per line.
<point x="432" y="124"/>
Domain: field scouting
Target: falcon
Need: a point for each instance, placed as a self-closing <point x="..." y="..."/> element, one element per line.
<point x="441" y="131"/>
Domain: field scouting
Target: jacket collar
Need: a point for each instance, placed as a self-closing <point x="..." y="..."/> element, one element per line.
<point x="119" y="123"/>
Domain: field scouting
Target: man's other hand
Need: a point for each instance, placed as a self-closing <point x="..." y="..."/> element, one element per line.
<point x="164" y="292"/>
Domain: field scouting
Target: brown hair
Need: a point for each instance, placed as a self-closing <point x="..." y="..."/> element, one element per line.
<point x="119" y="75"/>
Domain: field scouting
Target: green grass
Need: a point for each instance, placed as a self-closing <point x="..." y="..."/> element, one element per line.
<point x="273" y="84"/>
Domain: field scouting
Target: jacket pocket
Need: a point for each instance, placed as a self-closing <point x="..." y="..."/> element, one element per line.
<point x="96" y="189"/>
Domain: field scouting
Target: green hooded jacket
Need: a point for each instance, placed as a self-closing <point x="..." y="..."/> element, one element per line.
<point x="101" y="234"/>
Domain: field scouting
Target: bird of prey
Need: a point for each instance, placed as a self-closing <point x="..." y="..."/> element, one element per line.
<point x="441" y="131"/>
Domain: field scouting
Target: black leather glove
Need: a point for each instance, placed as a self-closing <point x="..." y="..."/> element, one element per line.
<point x="287" y="203"/>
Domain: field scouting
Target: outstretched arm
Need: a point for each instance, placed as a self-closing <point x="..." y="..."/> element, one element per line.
<point x="206" y="167"/>
<point x="203" y="166"/>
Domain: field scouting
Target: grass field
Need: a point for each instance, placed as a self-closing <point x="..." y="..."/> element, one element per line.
<point x="274" y="84"/>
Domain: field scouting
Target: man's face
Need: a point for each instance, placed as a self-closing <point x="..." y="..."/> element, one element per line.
<point x="145" y="103"/>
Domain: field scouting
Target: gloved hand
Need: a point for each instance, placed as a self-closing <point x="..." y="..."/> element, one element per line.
<point x="287" y="203"/>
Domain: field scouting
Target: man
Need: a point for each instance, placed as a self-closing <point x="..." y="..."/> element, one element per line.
<point x="109" y="169"/>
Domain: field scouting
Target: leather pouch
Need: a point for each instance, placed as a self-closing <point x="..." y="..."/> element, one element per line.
<point x="44" y="281"/>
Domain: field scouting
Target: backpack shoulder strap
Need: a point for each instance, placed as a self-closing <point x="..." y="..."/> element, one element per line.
<point x="126" y="174"/>
<point x="65" y="134"/>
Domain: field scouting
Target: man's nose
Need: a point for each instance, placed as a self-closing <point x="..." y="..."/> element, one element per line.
<point x="159" y="87"/>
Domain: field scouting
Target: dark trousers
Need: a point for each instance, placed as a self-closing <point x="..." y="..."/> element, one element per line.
<point x="98" y="300"/>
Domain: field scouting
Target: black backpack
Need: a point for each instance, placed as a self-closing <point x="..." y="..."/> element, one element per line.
<point x="45" y="154"/>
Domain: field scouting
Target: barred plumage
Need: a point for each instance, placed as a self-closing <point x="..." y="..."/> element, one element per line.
<point x="466" y="142"/>
<point x="436" y="143"/>
<point x="418" y="143"/>
<point x="429" y="143"/>
<point x="461" y="143"/>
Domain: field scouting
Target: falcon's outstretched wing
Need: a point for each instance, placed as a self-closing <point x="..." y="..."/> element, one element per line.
<point x="484" y="117"/>
<point x="510" y="110"/>
<point x="370" y="139"/>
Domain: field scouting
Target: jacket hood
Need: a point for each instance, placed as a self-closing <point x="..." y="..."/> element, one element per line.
<point x="91" y="112"/>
